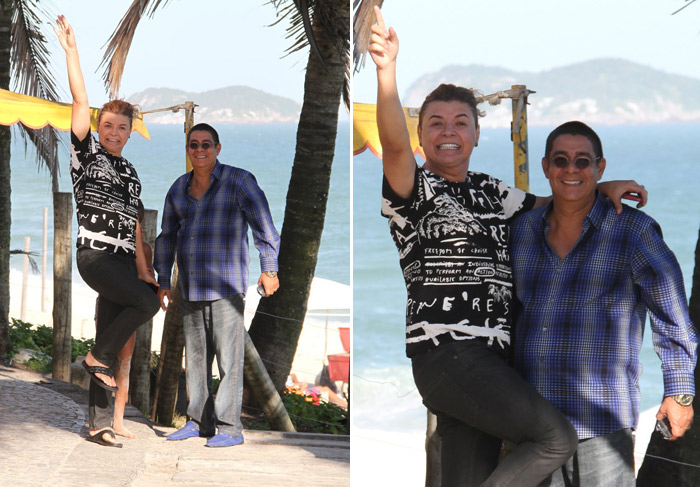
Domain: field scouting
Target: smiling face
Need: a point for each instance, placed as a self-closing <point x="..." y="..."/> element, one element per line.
<point x="448" y="134"/>
<point x="571" y="183"/>
<point x="114" y="131"/>
<point x="202" y="150"/>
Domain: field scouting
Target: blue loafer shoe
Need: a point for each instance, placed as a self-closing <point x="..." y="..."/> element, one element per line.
<point x="190" y="430"/>
<point x="222" y="439"/>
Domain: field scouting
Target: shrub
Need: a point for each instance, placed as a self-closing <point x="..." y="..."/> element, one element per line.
<point x="26" y="335"/>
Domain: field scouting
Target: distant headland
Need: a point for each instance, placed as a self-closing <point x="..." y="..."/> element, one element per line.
<point x="600" y="91"/>
<point x="232" y="104"/>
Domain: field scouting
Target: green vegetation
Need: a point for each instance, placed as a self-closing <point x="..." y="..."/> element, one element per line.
<point x="40" y="338"/>
<point x="309" y="415"/>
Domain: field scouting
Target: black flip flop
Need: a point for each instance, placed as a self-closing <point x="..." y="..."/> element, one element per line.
<point x="96" y="369"/>
<point x="98" y="438"/>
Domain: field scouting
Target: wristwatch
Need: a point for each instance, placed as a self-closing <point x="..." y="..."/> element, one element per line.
<point x="274" y="274"/>
<point x="683" y="399"/>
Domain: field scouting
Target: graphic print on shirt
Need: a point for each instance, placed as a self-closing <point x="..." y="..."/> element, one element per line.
<point x="453" y="246"/>
<point x="107" y="191"/>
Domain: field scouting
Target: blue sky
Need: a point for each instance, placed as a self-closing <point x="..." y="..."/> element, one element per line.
<point x="536" y="35"/>
<point x="193" y="46"/>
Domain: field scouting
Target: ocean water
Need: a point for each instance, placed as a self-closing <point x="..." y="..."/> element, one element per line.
<point x="665" y="158"/>
<point x="267" y="150"/>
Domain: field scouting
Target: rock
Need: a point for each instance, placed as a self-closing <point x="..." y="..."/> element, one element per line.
<point x="26" y="354"/>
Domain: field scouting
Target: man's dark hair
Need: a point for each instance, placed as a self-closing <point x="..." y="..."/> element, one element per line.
<point x="449" y="92"/>
<point x="574" y="128"/>
<point x="206" y="127"/>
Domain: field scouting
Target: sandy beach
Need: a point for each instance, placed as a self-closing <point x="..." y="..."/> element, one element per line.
<point x="320" y="335"/>
<point x="398" y="458"/>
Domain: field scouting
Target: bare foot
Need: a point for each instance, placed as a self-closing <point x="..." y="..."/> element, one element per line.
<point x="120" y="430"/>
<point x="105" y="435"/>
<point x="92" y="362"/>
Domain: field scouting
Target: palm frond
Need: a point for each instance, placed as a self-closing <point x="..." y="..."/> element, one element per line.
<point x="303" y="15"/>
<point x="45" y="141"/>
<point x="29" y="61"/>
<point x="363" y="18"/>
<point x="119" y="43"/>
<point x="30" y="254"/>
<point x="299" y="13"/>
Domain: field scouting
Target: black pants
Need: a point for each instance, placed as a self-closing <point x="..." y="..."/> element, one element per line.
<point x="125" y="303"/>
<point x="480" y="401"/>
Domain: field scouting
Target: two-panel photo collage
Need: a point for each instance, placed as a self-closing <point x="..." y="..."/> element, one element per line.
<point x="349" y="243"/>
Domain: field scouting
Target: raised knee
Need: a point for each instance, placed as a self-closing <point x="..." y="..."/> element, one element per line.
<point x="568" y="443"/>
<point x="150" y="304"/>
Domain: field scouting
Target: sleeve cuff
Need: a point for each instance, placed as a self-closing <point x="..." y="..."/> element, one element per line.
<point x="679" y="382"/>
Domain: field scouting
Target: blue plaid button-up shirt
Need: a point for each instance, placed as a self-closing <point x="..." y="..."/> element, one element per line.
<point x="579" y="332"/>
<point x="210" y="235"/>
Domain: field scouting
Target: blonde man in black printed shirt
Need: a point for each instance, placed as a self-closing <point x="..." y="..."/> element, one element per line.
<point x="107" y="192"/>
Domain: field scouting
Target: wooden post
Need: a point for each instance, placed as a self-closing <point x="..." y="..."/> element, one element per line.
<point x="170" y="363"/>
<point x="519" y="138"/>
<point x="25" y="279"/>
<point x="140" y="375"/>
<point x="263" y="389"/>
<point x="433" y="445"/>
<point x="62" y="279"/>
<point x="173" y="342"/>
<point x="44" y="248"/>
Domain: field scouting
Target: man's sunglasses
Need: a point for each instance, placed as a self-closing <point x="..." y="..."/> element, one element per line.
<point x="205" y="145"/>
<point x="580" y="162"/>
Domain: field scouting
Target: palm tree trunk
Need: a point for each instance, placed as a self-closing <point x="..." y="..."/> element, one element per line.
<point x="683" y="454"/>
<point x="275" y="331"/>
<point x="5" y="208"/>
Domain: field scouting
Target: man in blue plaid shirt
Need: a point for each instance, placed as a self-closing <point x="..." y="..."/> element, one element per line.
<point x="205" y="222"/>
<point x="586" y="278"/>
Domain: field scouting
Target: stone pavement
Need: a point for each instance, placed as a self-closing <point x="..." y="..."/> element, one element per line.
<point x="42" y="443"/>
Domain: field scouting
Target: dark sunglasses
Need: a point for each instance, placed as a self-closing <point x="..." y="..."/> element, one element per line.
<point x="205" y="145"/>
<point x="580" y="162"/>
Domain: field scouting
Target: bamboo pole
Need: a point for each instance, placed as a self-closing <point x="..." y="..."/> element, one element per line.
<point x="519" y="138"/>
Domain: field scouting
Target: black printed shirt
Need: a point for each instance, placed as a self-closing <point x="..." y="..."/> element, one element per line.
<point x="107" y="191"/>
<point x="452" y="240"/>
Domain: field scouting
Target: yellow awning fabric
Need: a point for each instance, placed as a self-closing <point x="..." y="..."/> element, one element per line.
<point x="37" y="113"/>
<point x="364" y="129"/>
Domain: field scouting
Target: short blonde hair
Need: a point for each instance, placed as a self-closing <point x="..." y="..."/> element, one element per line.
<point x="119" y="107"/>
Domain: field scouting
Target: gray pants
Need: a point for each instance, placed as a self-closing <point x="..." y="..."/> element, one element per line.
<point x="603" y="461"/>
<point x="214" y="329"/>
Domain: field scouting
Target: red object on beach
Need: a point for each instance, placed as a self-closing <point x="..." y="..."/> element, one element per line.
<point x="339" y="366"/>
<point x="345" y="337"/>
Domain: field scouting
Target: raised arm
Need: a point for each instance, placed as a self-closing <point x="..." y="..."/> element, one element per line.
<point x="397" y="156"/>
<point x="618" y="189"/>
<point x="615" y="190"/>
<point x="80" y="118"/>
